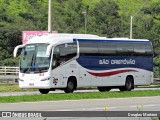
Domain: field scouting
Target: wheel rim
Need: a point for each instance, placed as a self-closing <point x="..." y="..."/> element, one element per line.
<point x="128" y="84"/>
<point x="70" y="85"/>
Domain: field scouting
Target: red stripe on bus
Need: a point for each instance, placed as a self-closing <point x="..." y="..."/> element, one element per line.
<point x="104" y="74"/>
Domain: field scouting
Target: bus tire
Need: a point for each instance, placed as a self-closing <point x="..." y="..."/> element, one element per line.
<point x="44" y="91"/>
<point x="129" y="85"/>
<point x="70" y="86"/>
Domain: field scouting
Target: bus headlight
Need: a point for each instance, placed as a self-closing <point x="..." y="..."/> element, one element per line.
<point x="45" y="79"/>
<point x="20" y="80"/>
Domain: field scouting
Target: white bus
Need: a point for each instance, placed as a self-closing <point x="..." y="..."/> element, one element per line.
<point x="70" y="61"/>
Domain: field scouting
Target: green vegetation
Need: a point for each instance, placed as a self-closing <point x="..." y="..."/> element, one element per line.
<point x="13" y="88"/>
<point x="77" y="96"/>
<point x="109" y="18"/>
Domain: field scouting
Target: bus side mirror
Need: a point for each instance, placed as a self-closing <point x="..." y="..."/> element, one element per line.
<point x="16" y="50"/>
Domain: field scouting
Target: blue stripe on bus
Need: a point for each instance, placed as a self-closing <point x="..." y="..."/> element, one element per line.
<point x="94" y="40"/>
<point x="114" y="62"/>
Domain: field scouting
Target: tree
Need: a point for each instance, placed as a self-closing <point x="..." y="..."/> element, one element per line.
<point x="153" y="10"/>
<point x="10" y="37"/>
<point x="105" y="19"/>
<point x="68" y="17"/>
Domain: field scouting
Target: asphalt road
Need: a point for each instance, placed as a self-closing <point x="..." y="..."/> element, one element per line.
<point x="113" y="104"/>
<point x="148" y="103"/>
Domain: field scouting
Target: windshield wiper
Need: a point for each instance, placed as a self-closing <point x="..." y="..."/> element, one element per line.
<point x="25" y="70"/>
<point x="40" y="70"/>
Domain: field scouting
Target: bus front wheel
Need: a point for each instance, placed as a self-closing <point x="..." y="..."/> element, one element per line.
<point x="70" y="86"/>
<point x="44" y="91"/>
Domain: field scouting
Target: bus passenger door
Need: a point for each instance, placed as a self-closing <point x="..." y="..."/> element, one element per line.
<point x="55" y="71"/>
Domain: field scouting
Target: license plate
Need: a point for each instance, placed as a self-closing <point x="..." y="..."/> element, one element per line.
<point x="31" y="84"/>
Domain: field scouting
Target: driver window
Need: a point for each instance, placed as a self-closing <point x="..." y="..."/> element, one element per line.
<point x="56" y="58"/>
<point x="63" y="53"/>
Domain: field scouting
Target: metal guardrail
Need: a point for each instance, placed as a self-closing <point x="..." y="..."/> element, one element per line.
<point x="156" y="81"/>
<point x="8" y="74"/>
<point x="5" y="70"/>
<point x="8" y="78"/>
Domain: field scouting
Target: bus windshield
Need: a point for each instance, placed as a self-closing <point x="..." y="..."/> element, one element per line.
<point x="34" y="59"/>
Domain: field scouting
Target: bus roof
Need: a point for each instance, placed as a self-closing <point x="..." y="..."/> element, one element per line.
<point x="60" y="37"/>
<point x="64" y="38"/>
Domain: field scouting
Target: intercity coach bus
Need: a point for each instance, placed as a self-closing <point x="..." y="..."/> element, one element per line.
<point x="70" y="61"/>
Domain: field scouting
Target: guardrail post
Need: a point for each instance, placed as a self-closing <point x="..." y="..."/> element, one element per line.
<point x="5" y="69"/>
<point x="16" y="71"/>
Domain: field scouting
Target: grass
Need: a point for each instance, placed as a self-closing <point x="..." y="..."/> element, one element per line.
<point x="78" y="96"/>
<point x="12" y="87"/>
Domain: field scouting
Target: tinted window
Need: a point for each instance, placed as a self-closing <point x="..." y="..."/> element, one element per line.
<point x="67" y="51"/>
<point x="63" y="53"/>
<point x="148" y="49"/>
<point x="139" y="49"/>
<point x="124" y="49"/>
<point x="88" y="48"/>
<point x="107" y="48"/>
<point x="115" y="48"/>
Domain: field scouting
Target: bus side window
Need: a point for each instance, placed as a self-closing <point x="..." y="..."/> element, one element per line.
<point x="67" y="52"/>
<point x="124" y="49"/>
<point x="139" y="49"/>
<point x="88" y="48"/>
<point x="106" y="48"/>
<point x="148" y="49"/>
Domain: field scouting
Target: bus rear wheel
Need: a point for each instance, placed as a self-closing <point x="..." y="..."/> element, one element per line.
<point x="44" y="91"/>
<point x="129" y="85"/>
<point x="70" y="86"/>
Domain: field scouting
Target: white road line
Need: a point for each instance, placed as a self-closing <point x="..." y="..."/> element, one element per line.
<point x="103" y="108"/>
